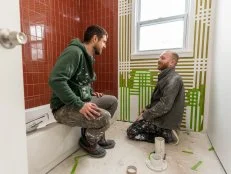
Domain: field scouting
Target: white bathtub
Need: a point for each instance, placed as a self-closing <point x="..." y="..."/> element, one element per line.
<point x="51" y="143"/>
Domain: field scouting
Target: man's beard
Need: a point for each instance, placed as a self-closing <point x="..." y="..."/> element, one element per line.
<point x="97" y="51"/>
<point x="162" y="66"/>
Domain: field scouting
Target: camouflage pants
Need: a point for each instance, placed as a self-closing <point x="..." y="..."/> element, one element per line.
<point x="146" y="131"/>
<point x="95" y="128"/>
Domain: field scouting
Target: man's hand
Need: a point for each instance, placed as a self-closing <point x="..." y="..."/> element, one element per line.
<point x="140" y="117"/>
<point x="97" y="94"/>
<point x="90" y="111"/>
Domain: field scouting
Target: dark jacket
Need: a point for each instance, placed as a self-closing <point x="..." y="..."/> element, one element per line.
<point x="71" y="77"/>
<point x="167" y="101"/>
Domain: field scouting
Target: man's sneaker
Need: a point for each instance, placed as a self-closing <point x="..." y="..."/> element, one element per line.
<point x="175" y="137"/>
<point x="93" y="150"/>
<point x="107" y="144"/>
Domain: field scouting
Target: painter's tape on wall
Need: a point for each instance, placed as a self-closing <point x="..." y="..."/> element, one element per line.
<point x="137" y="77"/>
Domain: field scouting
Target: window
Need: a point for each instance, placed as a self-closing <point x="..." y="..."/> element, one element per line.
<point x="36" y="40"/>
<point x="161" y="25"/>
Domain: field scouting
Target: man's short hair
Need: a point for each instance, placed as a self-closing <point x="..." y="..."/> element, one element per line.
<point x="175" y="56"/>
<point x="94" y="30"/>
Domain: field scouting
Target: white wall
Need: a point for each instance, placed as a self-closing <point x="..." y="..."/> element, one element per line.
<point x="219" y="119"/>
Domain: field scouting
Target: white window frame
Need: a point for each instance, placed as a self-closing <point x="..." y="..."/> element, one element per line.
<point x="187" y="50"/>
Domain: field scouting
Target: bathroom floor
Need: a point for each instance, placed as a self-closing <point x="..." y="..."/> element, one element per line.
<point x="127" y="152"/>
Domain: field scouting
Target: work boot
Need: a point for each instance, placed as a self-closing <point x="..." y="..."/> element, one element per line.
<point x="170" y="136"/>
<point x="93" y="150"/>
<point x="83" y="131"/>
<point x="106" y="144"/>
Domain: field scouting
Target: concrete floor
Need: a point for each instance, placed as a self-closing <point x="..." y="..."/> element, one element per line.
<point x="128" y="152"/>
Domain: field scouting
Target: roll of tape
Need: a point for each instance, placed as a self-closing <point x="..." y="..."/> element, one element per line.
<point x="131" y="170"/>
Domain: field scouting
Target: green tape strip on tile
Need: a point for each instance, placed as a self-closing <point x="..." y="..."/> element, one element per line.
<point x="149" y="156"/>
<point x="76" y="163"/>
<point x="196" y="165"/>
<point x="211" y="148"/>
<point x="185" y="151"/>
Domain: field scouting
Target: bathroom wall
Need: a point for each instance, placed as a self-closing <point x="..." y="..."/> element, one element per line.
<point x="137" y="77"/>
<point x="50" y="25"/>
<point x="104" y="13"/>
<point x="219" y="93"/>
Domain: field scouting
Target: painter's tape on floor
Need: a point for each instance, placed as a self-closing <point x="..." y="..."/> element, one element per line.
<point x="76" y="163"/>
<point x="211" y="148"/>
<point x="185" y="151"/>
<point x="196" y="165"/>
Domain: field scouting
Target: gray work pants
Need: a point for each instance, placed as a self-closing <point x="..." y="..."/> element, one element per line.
<point x="95" y="128"/>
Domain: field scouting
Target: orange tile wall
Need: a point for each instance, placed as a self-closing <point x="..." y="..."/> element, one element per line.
<point x="50" y="25"/>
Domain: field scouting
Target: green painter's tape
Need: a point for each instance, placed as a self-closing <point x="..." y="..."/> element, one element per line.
<point x="211" y="148"/>
<point x="185" y="151"/>
<point x="196" y="165"/>
<point x="149" y="156"/>
<point x="75" y="166"/>
<point x="76" y="163"/>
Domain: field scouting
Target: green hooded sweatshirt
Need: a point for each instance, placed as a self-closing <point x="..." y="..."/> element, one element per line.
<point x="71" y="77"/>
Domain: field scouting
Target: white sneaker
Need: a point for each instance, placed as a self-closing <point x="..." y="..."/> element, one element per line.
<point x="175" y="137"/>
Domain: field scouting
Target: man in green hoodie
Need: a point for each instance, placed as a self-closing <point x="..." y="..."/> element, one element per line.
<point x="73" y="101"/>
